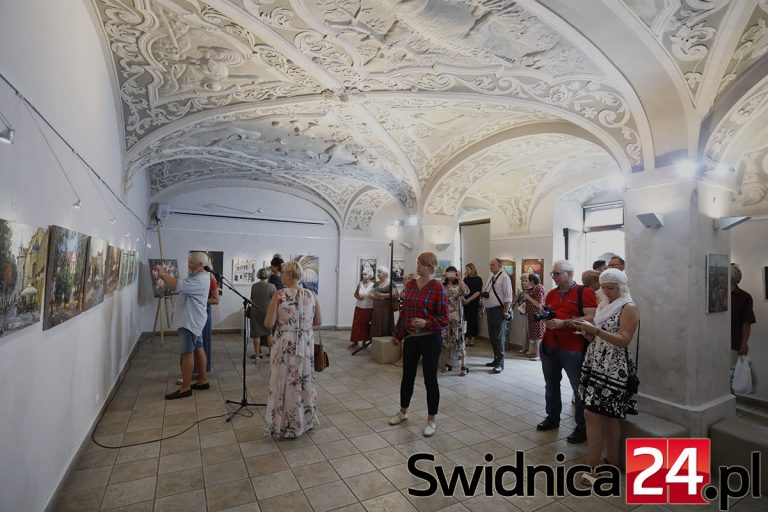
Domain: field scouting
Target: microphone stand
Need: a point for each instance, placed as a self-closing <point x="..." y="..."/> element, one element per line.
<point x="246" y="302"/>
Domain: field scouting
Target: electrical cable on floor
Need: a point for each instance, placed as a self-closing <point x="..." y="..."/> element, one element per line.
<point x="120" y="383"/>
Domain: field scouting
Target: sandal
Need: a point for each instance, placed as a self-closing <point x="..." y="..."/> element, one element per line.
<point x="399" y="363"/>
<point x="588" y="480"/>
<point x="464" y="371"/>
<point x="352" y="344"/>
<point x="447" y="368"/>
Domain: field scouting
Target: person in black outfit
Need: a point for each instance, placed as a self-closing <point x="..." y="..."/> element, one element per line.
<point x="472" y="303"/>
<point x="276" y="266"/>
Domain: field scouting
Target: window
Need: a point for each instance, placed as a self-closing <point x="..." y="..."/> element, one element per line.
<point x="601" y="217"/>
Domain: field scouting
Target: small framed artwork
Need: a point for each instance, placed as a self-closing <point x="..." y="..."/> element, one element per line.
<point x="398" y="271"/>
<point x="717" y="283"/>
<point x="509" y="268"/>
<point x="534" y="266"/>
<point x="366" y="264"/>
<point x="765" y="279"/>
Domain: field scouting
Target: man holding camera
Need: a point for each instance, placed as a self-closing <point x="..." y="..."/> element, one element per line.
<point x="497" y="299"/>
<point x="563" y="346"/>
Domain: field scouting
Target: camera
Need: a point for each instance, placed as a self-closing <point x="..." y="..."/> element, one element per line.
<point x="546" y="313"/>
<point x="485" y="295"/>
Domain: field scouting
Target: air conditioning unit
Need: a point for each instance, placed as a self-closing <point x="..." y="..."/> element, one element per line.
<point x="162" y="211"/>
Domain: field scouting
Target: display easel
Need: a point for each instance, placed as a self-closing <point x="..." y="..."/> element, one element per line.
<point x="162" y="302"/>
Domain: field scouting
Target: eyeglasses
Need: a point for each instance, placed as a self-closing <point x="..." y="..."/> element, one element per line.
<point x="555" y="274"/>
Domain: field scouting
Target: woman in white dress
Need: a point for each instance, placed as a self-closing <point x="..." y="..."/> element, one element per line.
<point x="292" y="398"/>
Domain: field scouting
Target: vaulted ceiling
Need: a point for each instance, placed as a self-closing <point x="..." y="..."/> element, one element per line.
<point x="357" y="104"/>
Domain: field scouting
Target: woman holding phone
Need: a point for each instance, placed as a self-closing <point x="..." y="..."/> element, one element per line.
<point x="453" y="334"/>
<point x="423" y="316"/>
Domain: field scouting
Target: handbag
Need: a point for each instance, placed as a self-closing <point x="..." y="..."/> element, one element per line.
<point x="395" y="303"/>
<point x="741" y="376"/>
<point x="321" y="357"/>
<point x="633" y="381"/>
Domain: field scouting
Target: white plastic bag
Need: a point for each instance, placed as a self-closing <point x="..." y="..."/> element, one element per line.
<point x="741" y="382"/>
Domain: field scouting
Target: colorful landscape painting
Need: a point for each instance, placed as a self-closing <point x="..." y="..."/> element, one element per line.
<point x="67" y="254"/>
<point x="509" y="268"/>
<point x="94" y="273"/>
<point x="23" y="253"/>
<point x="112" y="270"/>
<point x="159" y="288"/>
<point x="311" y="266"/>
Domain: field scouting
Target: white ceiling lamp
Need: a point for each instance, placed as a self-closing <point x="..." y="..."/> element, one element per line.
<point x="413" y="220"/>
<point x="6" y="136"/>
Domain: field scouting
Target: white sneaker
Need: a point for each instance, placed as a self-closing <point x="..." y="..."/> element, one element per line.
<point x="398" y="418"/>
<point x="430" y="429"/>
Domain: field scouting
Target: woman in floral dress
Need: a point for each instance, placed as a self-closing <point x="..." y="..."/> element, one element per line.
<point x="453" y="333"/>
<point x="292" y="398"/>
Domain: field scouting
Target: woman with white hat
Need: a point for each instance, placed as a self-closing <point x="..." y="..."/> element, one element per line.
<point x="606" y="368"/>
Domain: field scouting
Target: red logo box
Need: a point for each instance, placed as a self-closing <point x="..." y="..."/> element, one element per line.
<point x="667" y="470"/>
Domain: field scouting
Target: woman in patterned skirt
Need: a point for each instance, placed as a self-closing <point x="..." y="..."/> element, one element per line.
<point x="361" y="321"/>
<point x="453" y="333"/>
<point x="292" y="398"/>
<point x="606" y="368"/>
<point x="534" y="299"/>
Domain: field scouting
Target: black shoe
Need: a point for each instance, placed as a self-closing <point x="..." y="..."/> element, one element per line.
<point x="197" y="385"/>
<point x="492" y="364"/>
<point x="178" y="394"/>
<point x="547" y="424"/>
<point x="498" y="369"/>
<point x="576" y="437"/>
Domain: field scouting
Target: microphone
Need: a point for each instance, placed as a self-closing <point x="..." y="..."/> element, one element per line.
<point x="209" y="269"/>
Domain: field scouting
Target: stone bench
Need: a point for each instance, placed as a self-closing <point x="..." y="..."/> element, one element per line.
<point x="383" y="351"/>
<point x="734" y="440"/>
<point x="646" y="425"/>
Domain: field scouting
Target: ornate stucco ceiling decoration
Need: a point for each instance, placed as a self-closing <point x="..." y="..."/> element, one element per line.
<point x="753" y="44"/>
<point x="588" y="191"/>
<point x="731" y="128"/>
<point x="541" y="179"/>
<point x="320" y="139"/>
<point x="686" y="29"/>
<point x="334" y="191"/>
<point x="431" y="131"/>
<point x="177" y="57"/>
<point x="380" y="92"/>
<point x="508" y="175"/>
<point x="362" y="210"/>
<point x="468" y="211"/>
<point x="753" y="192"/>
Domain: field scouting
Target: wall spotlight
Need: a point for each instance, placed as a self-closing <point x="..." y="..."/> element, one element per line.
<point x="77" y="204"/>
<point x="651" y="220"/>
<point x="413" y="220"/>
<point x="114" y="219"/>
<point x="726" y="223"/>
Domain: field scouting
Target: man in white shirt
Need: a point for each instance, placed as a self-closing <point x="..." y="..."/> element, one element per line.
<point x="194" y="292"/>
<point x="497" y="299"/>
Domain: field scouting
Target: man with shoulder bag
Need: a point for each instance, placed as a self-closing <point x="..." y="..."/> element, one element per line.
<point x="563" y="346"/>
<point x="498" y="297"/>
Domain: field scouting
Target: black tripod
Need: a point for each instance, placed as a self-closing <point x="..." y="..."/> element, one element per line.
<point x="246" y="302"/>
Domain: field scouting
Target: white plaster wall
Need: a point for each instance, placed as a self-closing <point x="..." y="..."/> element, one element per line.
<point x="257" y="240"/>
<point x="54" y="382"/>
<point x="476" y="243"/>
<point x="749" y="248"/>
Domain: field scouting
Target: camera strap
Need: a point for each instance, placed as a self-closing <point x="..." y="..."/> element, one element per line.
<point x="493" y="287"/>
<point x="580" y="299"/>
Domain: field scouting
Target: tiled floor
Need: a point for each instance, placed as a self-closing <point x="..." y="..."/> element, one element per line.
<point x="355" y="461"/>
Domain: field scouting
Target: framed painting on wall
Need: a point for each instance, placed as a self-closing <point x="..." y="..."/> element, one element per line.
<point x="112" y="270"/>
<point x="717" y="283"/>
<point x="398" y="271"/>
<point x="124" y="262"/>
<point x="67" y="252"/>
<point x="441" y="266"/>
<point x="94" y="273"/>
<point x="311" y="267"/>
<point x="534" y="266"/>
<point x="159" y="288"/>
<point x="244" y="271"/>
<point x="366" y="263"/>
<point x="509" y="268"/>
<point x="23" y="255"/>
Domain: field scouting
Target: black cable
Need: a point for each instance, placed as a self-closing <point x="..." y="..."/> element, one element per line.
<point x="120" y="383"/>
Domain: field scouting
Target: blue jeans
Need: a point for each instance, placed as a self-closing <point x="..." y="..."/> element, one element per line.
<point x="553" y="362"/>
